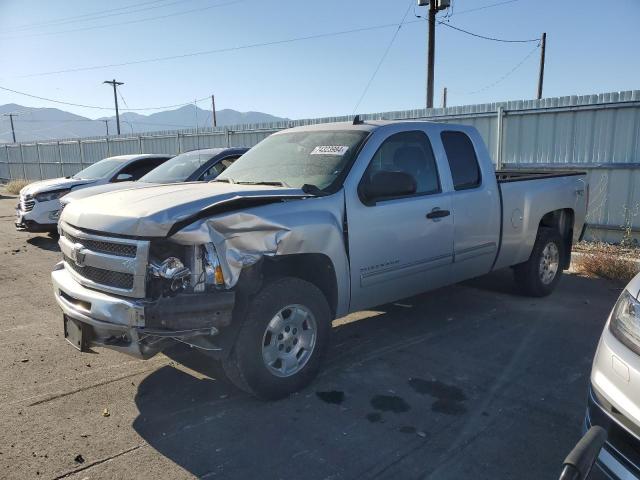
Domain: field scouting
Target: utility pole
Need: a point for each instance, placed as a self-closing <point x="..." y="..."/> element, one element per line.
<point x="115" y="98"/>
<point x="434" y="7"/>
<point x="13" y="130"/>
<point x="444" y="97"/>
<point x="541" y="74"/>
<point x="106" y="124"/>
<point x="213" y="110"/>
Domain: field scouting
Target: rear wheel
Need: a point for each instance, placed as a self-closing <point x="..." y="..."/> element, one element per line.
<point x="538" y="276"/>
<point x="282" y="341"/>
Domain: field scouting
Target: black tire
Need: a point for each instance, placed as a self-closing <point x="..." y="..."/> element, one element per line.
<point x="245" y="366"/>
<point x="528" y="274"/>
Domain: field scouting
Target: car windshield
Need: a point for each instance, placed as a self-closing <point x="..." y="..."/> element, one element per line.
<point x="103" y="168"/>
<point x="178" y="169"/>
<point x="297" y="158"/>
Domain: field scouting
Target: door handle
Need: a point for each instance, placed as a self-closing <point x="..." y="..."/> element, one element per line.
<point x="437" y="213"/>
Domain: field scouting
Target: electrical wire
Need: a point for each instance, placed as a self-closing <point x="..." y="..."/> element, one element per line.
<point x="494" y="39"/>
<point x="95" y="107"/>
<point x="469" y="10"/>
<point x="89" y="16"/>
<point x="218" y="50"/>
<point x="129" y="22"/>
<point x="506" y="75"/>
<point x="384" y="56"/>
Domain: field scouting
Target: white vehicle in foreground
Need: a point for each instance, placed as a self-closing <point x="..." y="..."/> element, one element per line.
<point x="39" y="206"/>
<point x="614" y="396"/>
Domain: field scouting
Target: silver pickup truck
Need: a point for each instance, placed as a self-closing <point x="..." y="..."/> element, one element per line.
<point x="311" y="224"/>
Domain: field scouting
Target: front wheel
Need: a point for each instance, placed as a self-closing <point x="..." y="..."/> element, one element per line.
<point x="282" y="341"/>
<point x="538" y="276"/>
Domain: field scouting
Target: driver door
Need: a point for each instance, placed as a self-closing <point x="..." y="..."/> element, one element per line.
<point x="398" y="247"/>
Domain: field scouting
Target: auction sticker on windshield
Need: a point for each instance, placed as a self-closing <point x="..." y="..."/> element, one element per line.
<point x="329" y="150"/>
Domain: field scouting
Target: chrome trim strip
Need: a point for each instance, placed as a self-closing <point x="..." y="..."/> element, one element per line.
<point x="488" y="248"/>
<point x="419" y="266"/>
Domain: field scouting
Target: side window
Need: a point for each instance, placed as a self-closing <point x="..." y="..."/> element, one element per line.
<point x="462" y="160"/>
<point x="141" y="167"/>
<point x="408" y="152"/>
<point x="217" y="169"/>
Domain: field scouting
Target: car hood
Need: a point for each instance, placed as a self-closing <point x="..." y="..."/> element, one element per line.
<point x="107" y="187"/>
<point x="153" y="211"/>
<point x="53" y="184"/>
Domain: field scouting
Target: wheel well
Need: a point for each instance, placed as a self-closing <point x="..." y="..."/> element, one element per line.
<point x="315" y="268"/>
<point x="562" y="220"/>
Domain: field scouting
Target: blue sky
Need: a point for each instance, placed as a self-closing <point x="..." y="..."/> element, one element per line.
<point x="590" y="49"/>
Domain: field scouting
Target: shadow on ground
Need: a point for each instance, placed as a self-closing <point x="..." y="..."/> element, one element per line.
<point x="450" y="384"/>
<point x="45" y="243"/>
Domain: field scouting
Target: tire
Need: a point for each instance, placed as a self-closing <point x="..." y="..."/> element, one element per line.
<point x="282" y="342"/>
<point x="538" y="276"/>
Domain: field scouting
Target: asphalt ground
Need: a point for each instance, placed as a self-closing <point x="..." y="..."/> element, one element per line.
<point x="469" y="381"/>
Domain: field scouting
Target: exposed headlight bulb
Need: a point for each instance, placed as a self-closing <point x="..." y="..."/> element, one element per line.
<point x="173" y="270"/>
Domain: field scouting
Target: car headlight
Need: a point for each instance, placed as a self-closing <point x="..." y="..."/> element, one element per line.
<point x="46" y="196"/>
<point x="625" y="321"/>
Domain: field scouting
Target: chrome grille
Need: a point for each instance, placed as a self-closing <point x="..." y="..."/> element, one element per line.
<point x="101" y="276"/>
<point x="110" y="264"/>
<point x="118" y="249"/>
<point x="27" y="204"/>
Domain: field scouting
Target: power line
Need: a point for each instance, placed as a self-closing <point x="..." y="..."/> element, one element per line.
<point x="384" y="56"/>
<point x="129" y="22"/>
<point x="219" y="50"/>
<point x="86" y="16"/>
<point x="506" y="75"/>
<point x="448" y="25"/>
<point x="95" y="107"/>
<point x="469" y="10"/>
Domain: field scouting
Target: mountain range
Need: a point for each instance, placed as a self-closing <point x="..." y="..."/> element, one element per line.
<point x="51" y="123"/>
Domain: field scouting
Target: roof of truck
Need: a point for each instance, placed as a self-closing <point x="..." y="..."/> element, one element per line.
<point x="366" y="125"/>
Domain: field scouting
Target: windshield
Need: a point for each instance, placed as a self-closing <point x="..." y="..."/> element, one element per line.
<point x="297" y="158"/>
<point x="178" y="169"/>
<point x="103" y="168"/>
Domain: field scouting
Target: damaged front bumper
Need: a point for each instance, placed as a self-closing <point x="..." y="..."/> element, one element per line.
<point x="137" y="327"/>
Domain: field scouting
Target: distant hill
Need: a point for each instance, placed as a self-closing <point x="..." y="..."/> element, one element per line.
<point x="52" y="123"/>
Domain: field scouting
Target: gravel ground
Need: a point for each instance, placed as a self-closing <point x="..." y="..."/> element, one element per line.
<point x="470" y="381"/>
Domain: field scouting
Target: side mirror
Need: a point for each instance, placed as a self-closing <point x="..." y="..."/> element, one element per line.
<point x="386" y="185"/>
<point x="123" y="177"/>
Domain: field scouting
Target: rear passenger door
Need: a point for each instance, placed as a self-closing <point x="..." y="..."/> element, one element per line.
<point x="476" y="205"/>
<point x="397" y="246"/>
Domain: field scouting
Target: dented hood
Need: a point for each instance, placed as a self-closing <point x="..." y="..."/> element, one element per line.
<point x="153" y="211"/>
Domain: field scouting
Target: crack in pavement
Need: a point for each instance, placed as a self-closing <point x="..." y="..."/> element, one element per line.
<point x="99" y="462"/>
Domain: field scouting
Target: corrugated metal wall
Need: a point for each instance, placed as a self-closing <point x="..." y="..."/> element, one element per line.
<point x="596" y="133"/>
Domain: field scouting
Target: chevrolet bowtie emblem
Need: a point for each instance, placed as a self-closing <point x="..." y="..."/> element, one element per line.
<point x="78" y="254"/>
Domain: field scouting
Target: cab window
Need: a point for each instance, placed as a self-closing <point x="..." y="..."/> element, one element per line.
<point x="463" y="162"/>
<point x="408" y="152"/>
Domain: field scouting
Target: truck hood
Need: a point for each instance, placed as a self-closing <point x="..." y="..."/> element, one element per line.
<point x="153" y="211"/>
<point x="53" y="184"/>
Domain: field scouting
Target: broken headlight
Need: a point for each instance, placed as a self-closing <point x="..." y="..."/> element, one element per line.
<point x="174" y="274"/>
<point x="625" y="321"/>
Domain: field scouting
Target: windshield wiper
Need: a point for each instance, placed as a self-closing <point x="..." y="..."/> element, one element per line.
<point x="273" y="183"/>
<point x="225" y="180"/>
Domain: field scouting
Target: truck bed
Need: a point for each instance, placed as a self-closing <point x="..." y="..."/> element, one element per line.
<point x="516" y="175"/>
